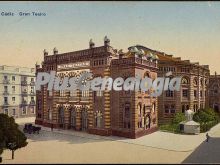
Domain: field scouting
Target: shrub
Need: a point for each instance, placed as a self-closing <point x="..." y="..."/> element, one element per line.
<point x="178" y="117"/>
<point x="207" y="119"/>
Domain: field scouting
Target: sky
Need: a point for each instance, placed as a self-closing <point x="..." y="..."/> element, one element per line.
<point x="190" y="30"/>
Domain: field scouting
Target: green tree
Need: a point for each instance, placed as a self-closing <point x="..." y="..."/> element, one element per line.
<point x="179" y="117"/>
<point x="11" y="137"/>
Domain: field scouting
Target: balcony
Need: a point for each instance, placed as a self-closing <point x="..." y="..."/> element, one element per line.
<point x="24" y="93"/>
<point x="5" y="81"/>
<point x="32" y="93"/>
<point x="24" y="102"/>
<point x="32" y="83"/>
<point x="32" y="102"/>
<point x="24" y="83"/>
<point x="5" y="93"/>
<point x="5" y="103"/>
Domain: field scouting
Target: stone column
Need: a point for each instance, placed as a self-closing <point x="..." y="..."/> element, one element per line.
<point x="107" y="115"/>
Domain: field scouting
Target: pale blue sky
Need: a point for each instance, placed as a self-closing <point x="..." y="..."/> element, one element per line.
<point x="186" y="29"/>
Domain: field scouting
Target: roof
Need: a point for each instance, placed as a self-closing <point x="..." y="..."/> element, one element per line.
<point x="166" y="57"/>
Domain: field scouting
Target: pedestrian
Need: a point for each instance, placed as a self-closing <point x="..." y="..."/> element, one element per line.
<point x="52" y="127"/>
<point x="207" y="137"/>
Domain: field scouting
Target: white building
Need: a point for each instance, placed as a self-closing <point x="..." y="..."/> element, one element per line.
<point x="17" y="91"/>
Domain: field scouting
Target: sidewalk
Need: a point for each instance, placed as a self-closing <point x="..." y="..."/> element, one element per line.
<point x="160" y="140"/>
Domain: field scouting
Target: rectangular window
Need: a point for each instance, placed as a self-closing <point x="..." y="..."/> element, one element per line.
<point x="13" y="98"/>
<point x="32" y="79"/>
<point x="169" y="93"/>
<point x="85" y="93"/>
<point x="13" y="112"/>
<point x="172" y="109"/>
<point x="99" y="93"/>
<point x="185" y="93"/>
<point x="195" y="93"/>
<point x="62" y="92"/>
<point x="24" y="111"/>
<point x="5" y="77"/>
<point x="6" y="111"/>
<point x="166" y="109"/>
<point x="13" y="89"/>
<point x="5" y="100"/>
<point x="32" y="110"/>
<point x="200" y="93"/>
<point x="50" y="93"/>
<point x="13" y="78"/>
<point x="5" y="88"/>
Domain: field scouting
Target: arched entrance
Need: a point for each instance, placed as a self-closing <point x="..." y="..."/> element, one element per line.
<point x="61" y="117"/>
<point x="84" y="117"/>
<point x="72" y="118"/>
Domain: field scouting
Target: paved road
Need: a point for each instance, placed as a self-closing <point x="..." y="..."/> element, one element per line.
<point x="52" y="147"/>
<point x="207" y="152"/>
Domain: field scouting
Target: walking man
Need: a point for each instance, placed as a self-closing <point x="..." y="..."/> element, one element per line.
<point x="207" y="137"/>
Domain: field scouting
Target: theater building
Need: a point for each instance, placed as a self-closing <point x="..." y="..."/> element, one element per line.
<point x="122" y="113"/>
<point x="194" y="87"/>
<point x="214" y="93"/>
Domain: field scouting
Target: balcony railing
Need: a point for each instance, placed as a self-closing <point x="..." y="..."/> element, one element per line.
<point x="6" y="81"/>
<point x="24" y="82"/>
<point x="5" y="103"/>
<point x="32" y="102"/>
<point x="32" y="83"/>
<point x="32" y="93"/>
<point x="5" y="93"/>
<point x="24" y="93"/>
<point x="24" y="102"/>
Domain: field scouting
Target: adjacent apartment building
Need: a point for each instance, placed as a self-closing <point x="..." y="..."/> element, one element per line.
<point x="17" y="91"/>
<point x="123" y="113"/>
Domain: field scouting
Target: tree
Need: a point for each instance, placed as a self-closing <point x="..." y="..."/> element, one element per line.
<point x="179" y="117"/>
<point x="11" y="137"/>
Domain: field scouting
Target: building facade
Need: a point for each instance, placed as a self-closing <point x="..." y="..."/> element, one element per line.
<point x="214" y="93"/>
<point x="17" y="91"/>
<point x="123" y="113"/>
<point x="193" y="93"/>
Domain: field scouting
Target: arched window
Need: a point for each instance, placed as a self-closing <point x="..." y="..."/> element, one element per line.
<point x="84" y="119"/>
<point x="126" y="115"/>
<point x="195" y="82"/>
<point x="73" y="118"/>
<point x="185" y="80"/>
<point x="98" y="119"/>
<point x="154" y="107"/>
<point x="139" y="115"/>
<point x="201" y="82"/>
<point x="61" y="116"/>
<point x="147" y="74"/>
